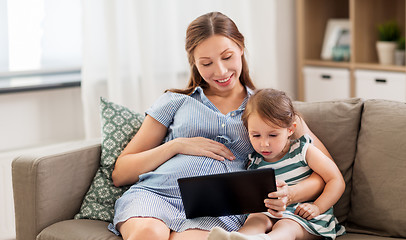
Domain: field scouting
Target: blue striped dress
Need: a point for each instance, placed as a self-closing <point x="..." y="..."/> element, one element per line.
<point x="157" y="194"/>
<point x="293" y="168"/>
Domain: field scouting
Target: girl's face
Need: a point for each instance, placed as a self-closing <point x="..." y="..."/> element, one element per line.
<point x="218" y="60"/>
<point x="269" y="140"/>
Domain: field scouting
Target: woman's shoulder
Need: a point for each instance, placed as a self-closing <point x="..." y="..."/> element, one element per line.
<point x="171" y="97"/>
<point x="175" y="94"/>
<point x="170" y="100"/>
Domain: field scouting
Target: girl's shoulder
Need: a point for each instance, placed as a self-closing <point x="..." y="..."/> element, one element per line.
<point x="301" y="141"/>
<point x="255" y="161"/>
<point x="299" y="146"/>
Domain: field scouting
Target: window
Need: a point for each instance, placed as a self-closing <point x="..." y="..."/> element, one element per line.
<point x="39" y="36"/>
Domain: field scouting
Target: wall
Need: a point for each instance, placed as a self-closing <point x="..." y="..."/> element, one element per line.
<point x="286" y="47"/>
<point x="274" y="45"/>
<point x="37" y="118"/>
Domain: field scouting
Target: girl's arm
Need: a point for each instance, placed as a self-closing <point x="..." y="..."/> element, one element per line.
<point x="306" y="190"/>
<point x="331" y="175"/>
<point x="145" y="152"/>
<point x="310" y="188"/>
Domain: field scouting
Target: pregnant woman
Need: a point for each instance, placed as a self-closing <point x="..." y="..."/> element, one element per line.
<point x="191" y="132"/>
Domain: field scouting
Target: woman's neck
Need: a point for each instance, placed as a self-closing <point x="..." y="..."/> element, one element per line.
<point x="227" y="101"/>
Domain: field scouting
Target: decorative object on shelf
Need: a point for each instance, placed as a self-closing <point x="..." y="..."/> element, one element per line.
<point x="400" y="52"/>
<point x="388" y="35"/>
<point x="337" y="39"/>
<point x="341" y="53"/>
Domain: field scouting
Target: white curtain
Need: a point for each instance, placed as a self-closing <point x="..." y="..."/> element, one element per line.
<point x="134" y="49"/>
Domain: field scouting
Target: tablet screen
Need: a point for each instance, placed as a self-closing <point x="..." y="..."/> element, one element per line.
<point x="227" y="193"/>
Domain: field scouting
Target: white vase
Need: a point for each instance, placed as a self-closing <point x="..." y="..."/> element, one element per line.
<point x="386" y="52"/>
<point x="399" y="57"/>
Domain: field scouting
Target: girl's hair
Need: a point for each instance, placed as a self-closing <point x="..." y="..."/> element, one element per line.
<point x="201" y="29"/>
<point x="272" y="106"/>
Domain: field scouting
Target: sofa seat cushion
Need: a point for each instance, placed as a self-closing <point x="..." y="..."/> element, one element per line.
<point x="78" y="229"/>
<point x="336" y="124"/>
<point x="378" y="198"/>
<point x="355" y="236"/>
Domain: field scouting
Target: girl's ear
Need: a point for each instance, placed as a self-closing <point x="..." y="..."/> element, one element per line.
<point x="292" y="129"/>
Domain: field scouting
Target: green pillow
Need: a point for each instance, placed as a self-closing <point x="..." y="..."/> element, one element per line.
<point x="119" y="125"/>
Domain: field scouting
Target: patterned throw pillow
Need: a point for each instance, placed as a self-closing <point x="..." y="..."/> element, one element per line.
<point x="119" y="125"/>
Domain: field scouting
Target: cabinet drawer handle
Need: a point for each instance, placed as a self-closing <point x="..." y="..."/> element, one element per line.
<point x="325" y="76"/>
<point x="379" y="80"/>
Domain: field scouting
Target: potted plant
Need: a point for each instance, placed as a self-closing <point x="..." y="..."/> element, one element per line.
<point x="400" y="52"/>
<point x="389" y="34"/>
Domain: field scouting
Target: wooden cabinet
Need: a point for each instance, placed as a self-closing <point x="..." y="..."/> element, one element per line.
<point x="364" y="17"/>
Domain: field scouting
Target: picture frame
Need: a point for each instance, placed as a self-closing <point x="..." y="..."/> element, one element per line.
<point x="337" y="40"/>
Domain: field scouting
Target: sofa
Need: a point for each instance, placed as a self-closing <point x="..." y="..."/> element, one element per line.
<point x="367" y="139"/>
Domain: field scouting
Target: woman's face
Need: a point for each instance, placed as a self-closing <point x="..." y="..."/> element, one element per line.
<point x="218" y="60"/>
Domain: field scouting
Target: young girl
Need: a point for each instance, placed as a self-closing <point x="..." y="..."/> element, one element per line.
<point x="271" y="120"/>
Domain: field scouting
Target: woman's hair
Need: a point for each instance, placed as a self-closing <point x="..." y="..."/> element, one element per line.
<point x="203" y="27"/>
<point x="273" y="106"/>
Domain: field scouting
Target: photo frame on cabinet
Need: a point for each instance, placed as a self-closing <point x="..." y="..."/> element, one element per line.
<point x="337" y="40"/>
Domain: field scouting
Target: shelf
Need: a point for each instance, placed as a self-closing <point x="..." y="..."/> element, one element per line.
<point x="364" y="17"/>
<point x="376" y="66"/>
<point x="368" y="14"/>
<point x="369" y="66"/>
<point x="324" y="63"/>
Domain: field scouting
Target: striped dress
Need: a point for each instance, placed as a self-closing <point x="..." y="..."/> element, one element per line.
<point x="157" y="193"/>
<point x="293" y="168"/>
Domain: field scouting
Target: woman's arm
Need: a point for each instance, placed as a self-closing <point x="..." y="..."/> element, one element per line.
<point x="145" y="152"/>
<point x="307" y="190"/>
<point x="302" y="129"/>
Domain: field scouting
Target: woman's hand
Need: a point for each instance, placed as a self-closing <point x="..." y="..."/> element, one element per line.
<point x="200" y="146"/>
<point x="307" y="211"/>
<point x="277" y="201"/>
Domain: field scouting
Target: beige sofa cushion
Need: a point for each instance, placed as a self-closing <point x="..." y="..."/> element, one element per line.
<point x="379" y="178"/>
<point x="78" y="229"/>
<point x="336" y="124"/>
<point x="356" y="236"/>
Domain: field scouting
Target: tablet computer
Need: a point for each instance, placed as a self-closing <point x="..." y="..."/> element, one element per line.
<point x="227" y="193"/>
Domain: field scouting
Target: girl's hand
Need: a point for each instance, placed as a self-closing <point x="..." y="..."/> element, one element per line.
<point x="200" y="146"/>
<point x="307" y="210"/>
<point x="277" y="201"/>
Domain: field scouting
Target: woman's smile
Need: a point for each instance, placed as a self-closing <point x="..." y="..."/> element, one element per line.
<point x="224" y="81"/>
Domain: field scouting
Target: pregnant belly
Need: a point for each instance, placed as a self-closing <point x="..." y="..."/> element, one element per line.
<point x="181" y="166"/>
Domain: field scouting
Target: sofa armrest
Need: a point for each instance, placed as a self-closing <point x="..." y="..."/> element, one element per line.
<point x="49" y="185"/>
